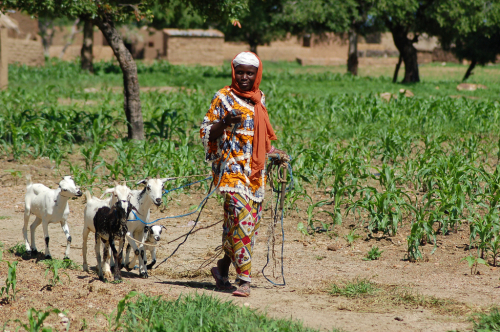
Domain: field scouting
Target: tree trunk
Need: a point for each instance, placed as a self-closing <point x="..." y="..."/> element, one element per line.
<point x="396" y="70"/>
<point x="88" y="41"/>
<point x="408" y="52"/>
<point x="132" y="101"/>
<point x="352" y="54"/>
<point x="470" y="69"/>
<point x="253" y="48"/>
<point x="46" y="28"/>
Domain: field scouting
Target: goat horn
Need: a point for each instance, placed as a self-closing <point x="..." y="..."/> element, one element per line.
<point x="124" y="183"/>
<point x="116" y="183"/>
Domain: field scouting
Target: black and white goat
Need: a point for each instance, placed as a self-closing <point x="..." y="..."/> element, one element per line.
<point x="49" y="206"/>
<point x="110" y="224"/>
<point x="142" y="199"/>
<point x="152" y="236"/>
<point x="119" y="193"/>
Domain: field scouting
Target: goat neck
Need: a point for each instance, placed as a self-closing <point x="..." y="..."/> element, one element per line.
<point x="142" y="201"/>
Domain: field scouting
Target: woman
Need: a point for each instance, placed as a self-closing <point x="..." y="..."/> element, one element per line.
<point x="241" y="105"/>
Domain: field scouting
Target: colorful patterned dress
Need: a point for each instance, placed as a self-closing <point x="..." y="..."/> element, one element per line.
<point x="242" y="196"/>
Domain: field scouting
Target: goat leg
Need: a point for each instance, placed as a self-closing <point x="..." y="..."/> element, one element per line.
<point x="152" y="250"/>
<point x="86" y="232"/>
<point x="45" y="226"/>
<point x="98" y="256"/>
<point x="107" y="271"/>
<point x="65" y="228"/>
<point x="25" y="229"/>
<point x="117" y="257"/>
<point x="33" y="227"/>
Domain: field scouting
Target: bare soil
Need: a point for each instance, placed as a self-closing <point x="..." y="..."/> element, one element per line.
<point x="310" y="268"/>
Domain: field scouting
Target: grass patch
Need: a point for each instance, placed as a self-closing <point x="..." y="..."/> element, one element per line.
<point x="194" y="313"/>
<point x="359" y="287"/>
<point x="4" y="217"/>
<point x="367" y="296"/>
<point x="487" y="322"/>
<point x="61" y="264"/>
<point x="18" y="249"/>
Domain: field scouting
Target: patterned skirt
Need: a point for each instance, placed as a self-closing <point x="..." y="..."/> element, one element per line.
<point x="241" y="223"/>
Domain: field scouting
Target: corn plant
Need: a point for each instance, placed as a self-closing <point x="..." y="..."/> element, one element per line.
<point x="11" y="282"/>
<point x="36" y="319"/>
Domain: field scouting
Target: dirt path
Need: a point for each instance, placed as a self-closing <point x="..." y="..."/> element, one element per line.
<point x="309" y="269"/>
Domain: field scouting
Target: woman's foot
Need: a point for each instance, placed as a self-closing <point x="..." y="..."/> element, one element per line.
<point x="220" y="282"/>
<point x="243" y="290"/>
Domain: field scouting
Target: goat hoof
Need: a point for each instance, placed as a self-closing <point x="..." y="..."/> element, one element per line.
<point x="48" y="257"/>
<point x="127" y="268"/>
<point x="101" y="278"/>
<point x="34" y="252"/>
<point x="144" y="275"/>
<point x="118" y="278"/>
<point x="150" y="266"/>
<point x="66" y="258"/>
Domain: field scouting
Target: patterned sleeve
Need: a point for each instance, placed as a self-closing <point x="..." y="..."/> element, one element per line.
<point x="214" y="115"/>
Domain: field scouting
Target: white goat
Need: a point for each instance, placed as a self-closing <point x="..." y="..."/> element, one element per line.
<point x="142" y="200"/>
<point x="120" y="193"/>
<point x="152" y="235"/>
<point x="49" y="206"/>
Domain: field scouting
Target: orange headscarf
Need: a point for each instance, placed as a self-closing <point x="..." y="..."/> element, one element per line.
<point x="263" y="131"/>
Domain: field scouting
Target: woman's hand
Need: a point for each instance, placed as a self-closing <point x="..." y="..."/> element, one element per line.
<point x="218" y="128"/>
<point x="231" y="118"/>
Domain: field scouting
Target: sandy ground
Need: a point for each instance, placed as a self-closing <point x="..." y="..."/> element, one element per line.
<point x="309" y="270"/>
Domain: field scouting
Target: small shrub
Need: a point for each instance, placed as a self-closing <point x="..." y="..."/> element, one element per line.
<point x="373" y="254"/>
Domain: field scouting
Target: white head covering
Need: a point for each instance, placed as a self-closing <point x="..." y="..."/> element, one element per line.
<point x="246" y="58"/>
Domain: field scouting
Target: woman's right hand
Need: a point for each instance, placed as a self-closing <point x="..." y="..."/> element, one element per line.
<point x="231" y="118"/>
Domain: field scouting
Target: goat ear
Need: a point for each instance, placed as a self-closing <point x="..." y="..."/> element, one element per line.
<point x="163" y="180"/>
<point x="143" y="181"/>
<point x="163" y="227"/>
<point x="108" y="191"/>
<point x="146" y="229"/>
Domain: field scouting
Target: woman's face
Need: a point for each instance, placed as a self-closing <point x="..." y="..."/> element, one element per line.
<point x="245" y="76"/>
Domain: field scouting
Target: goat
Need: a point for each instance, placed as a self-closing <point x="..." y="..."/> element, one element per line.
<point x="120" y="193"/>
<point x="110" y="224"/>
<point x="152" y="235"/>
<point x="48" y="206"/>
<point x="142" y="199"/>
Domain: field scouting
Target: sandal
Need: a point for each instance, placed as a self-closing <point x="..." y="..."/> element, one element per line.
<point x="243" y="290"/>
<point x="220" y="282"/>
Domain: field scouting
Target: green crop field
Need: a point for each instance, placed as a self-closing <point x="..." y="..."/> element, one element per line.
<point x="429" y="162"/>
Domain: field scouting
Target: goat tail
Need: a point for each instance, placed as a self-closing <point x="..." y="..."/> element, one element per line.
<point x="88" y="196"/>
<point x="29" y="182"/>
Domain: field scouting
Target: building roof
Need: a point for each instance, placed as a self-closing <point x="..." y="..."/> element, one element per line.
<point x="212" y="33"/>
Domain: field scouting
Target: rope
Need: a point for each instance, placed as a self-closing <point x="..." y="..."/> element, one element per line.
<point x="199" y="229"/>
<point x="146" y="244"/>
<point x="282" y="165"/>
<point x="127" y="181"/>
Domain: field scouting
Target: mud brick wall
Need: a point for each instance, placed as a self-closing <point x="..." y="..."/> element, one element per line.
<point x="26" y="52"/>
<point x="194" y="50"/>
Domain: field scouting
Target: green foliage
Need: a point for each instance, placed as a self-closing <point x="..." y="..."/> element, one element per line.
<point x="54" y="265"/>
<point x="473" y="261"/>
<point x="19" y="249"/>
<point x="373" y="254"/>
<point x="11" y="282"/>
<point x="487" y="322"/>
<point x="36" y="319"/>
<point x="192" y="313"/>
<point x="352" y="236"/>
<point x="356" y="288"/>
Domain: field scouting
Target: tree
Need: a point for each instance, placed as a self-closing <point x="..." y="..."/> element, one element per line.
<point x="105" y="14"/>
<point x="258" y="26"/>
<point x="406" y="20"/>
<point x="321" y="16"/>
<point x="469" y="28"/>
